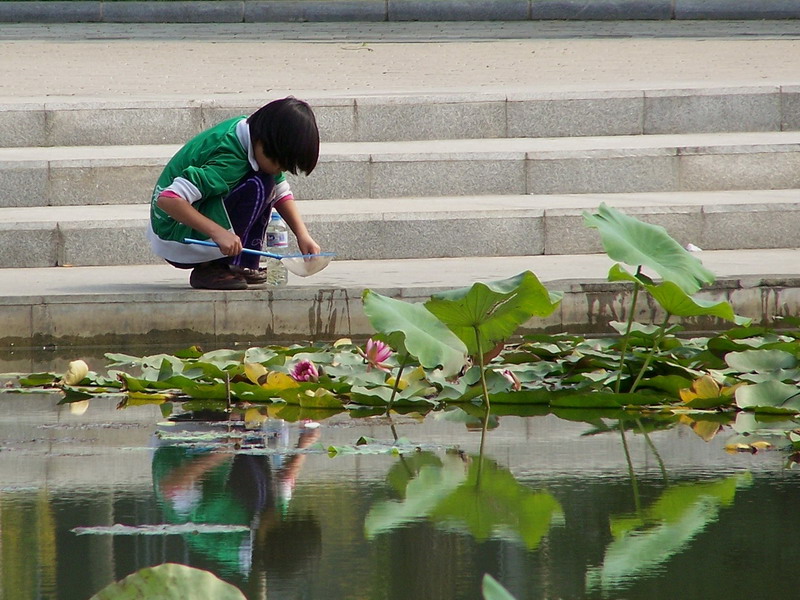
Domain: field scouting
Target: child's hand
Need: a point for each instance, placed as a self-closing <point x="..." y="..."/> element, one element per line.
<point x="228" y="242"/>
<point x="307" y="245"/>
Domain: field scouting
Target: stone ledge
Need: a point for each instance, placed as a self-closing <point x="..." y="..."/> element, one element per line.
<point x="271" y="11"/>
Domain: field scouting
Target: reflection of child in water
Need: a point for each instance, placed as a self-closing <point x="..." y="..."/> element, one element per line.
<point x="215" y="487"/>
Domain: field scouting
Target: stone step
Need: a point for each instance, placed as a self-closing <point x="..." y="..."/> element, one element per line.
<point x="125" y="306"/>
<point x="90" y="175"/>
<point x="416" y="228"/>
<point x="387" y="117"/>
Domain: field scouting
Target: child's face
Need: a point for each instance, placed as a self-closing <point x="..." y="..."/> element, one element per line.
<point x="265" y="164"/>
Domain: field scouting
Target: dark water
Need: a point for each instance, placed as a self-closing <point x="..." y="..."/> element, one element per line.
<point x="553" y="513"/>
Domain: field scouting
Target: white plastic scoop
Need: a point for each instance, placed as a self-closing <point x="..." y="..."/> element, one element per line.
<point x="301" y="265"/>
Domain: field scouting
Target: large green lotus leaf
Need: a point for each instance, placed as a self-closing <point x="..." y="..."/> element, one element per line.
<point x="636" y="243"/>
<point x="170" y="582"/>
<point x="497" y="309"/>
<point x="493" y="589"/>
<point x="769" y="396"/>
<point x="675" y="301"/>
<point x="760" y="360"/>
<point x="423" y="335"/>
<point x="491" y="503"/>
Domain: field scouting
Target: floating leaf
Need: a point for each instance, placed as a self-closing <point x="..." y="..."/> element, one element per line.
<point x="278" y="382"/>
<point x="760" y="360"/>
<point x="769" y="396"/>
<point x="170" y="582"/>
<point x="255" y="372"/>
<point x="38" y="379"/>
<point x="160" y="529"/>
<point x="705" y="392"/>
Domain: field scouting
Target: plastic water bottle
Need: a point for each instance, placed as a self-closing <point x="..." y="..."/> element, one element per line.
<point x="277" y="243"/>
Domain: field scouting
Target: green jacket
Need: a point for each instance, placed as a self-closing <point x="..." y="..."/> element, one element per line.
<point x="204" y="171"/>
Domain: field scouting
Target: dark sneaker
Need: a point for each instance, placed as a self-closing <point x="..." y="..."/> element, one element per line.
<point x="216" y="276"/>
<point x="251" y="276"/>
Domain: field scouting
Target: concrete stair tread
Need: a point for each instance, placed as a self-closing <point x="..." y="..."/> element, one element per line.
<point x="115" y="283"/>
<point x="700" y="142"/>
<point x="154" y="304"/>
<point x="362" y="209"/>
<point x="418" y="228"/>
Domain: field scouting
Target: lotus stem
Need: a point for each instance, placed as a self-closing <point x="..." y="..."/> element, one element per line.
<point x="634" y="482"/>
<point x="652" y="447"/>
<point x="486" y="404"/>
<point x="394" y="395"/>
<point x="648" y="359"/>
<point x="396" y="386"/>
<point x="636" y="287"/>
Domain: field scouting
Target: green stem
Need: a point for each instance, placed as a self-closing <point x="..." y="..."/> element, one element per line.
<point x="649" y="358"/>
<point x="482" y="373"/>
<point x="634" y="482"/>
<point x="483" y="440"/>
<point x="394" y="394"/>
<point x="652" y="447"/>
<point x="636" y="287"/>
<point x="486" y="404"/>
<point x="396" y="386"/>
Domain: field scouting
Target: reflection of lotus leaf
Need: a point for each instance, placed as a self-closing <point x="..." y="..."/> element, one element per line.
<point x="499" y="507"/>
<point x="170" y="581"/>
<point x="487" y="502"/>
<point x="646" y="541"/>
<point x="423" y="494"/>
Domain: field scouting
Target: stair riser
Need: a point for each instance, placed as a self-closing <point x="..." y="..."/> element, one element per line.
<point x="390" y="118"/>
<point x="68" y="183"/>
<point x="513" y="233"/>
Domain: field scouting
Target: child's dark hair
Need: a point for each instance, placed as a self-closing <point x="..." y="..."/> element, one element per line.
<point x="288" y="130"/>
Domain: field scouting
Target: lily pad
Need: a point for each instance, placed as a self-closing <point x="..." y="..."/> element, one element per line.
<point x="170" y="582"/>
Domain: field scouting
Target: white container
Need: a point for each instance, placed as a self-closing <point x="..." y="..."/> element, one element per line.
<point x="277" y="243"/>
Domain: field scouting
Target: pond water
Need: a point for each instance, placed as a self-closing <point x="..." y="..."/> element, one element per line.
<point x="556" y="508"/>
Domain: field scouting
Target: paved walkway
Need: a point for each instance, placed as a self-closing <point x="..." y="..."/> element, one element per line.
<point x="144" y="61"/>
<point x="80" y="63"/>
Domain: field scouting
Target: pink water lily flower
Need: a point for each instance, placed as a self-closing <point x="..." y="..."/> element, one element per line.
<point x="305" y="370"/>
<point x="376" y="353"/>
<point x="516" y="384"/>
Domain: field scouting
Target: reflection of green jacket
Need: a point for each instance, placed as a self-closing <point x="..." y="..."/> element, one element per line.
<point x="213" y="502"/>
<point x="204" y="172"/>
